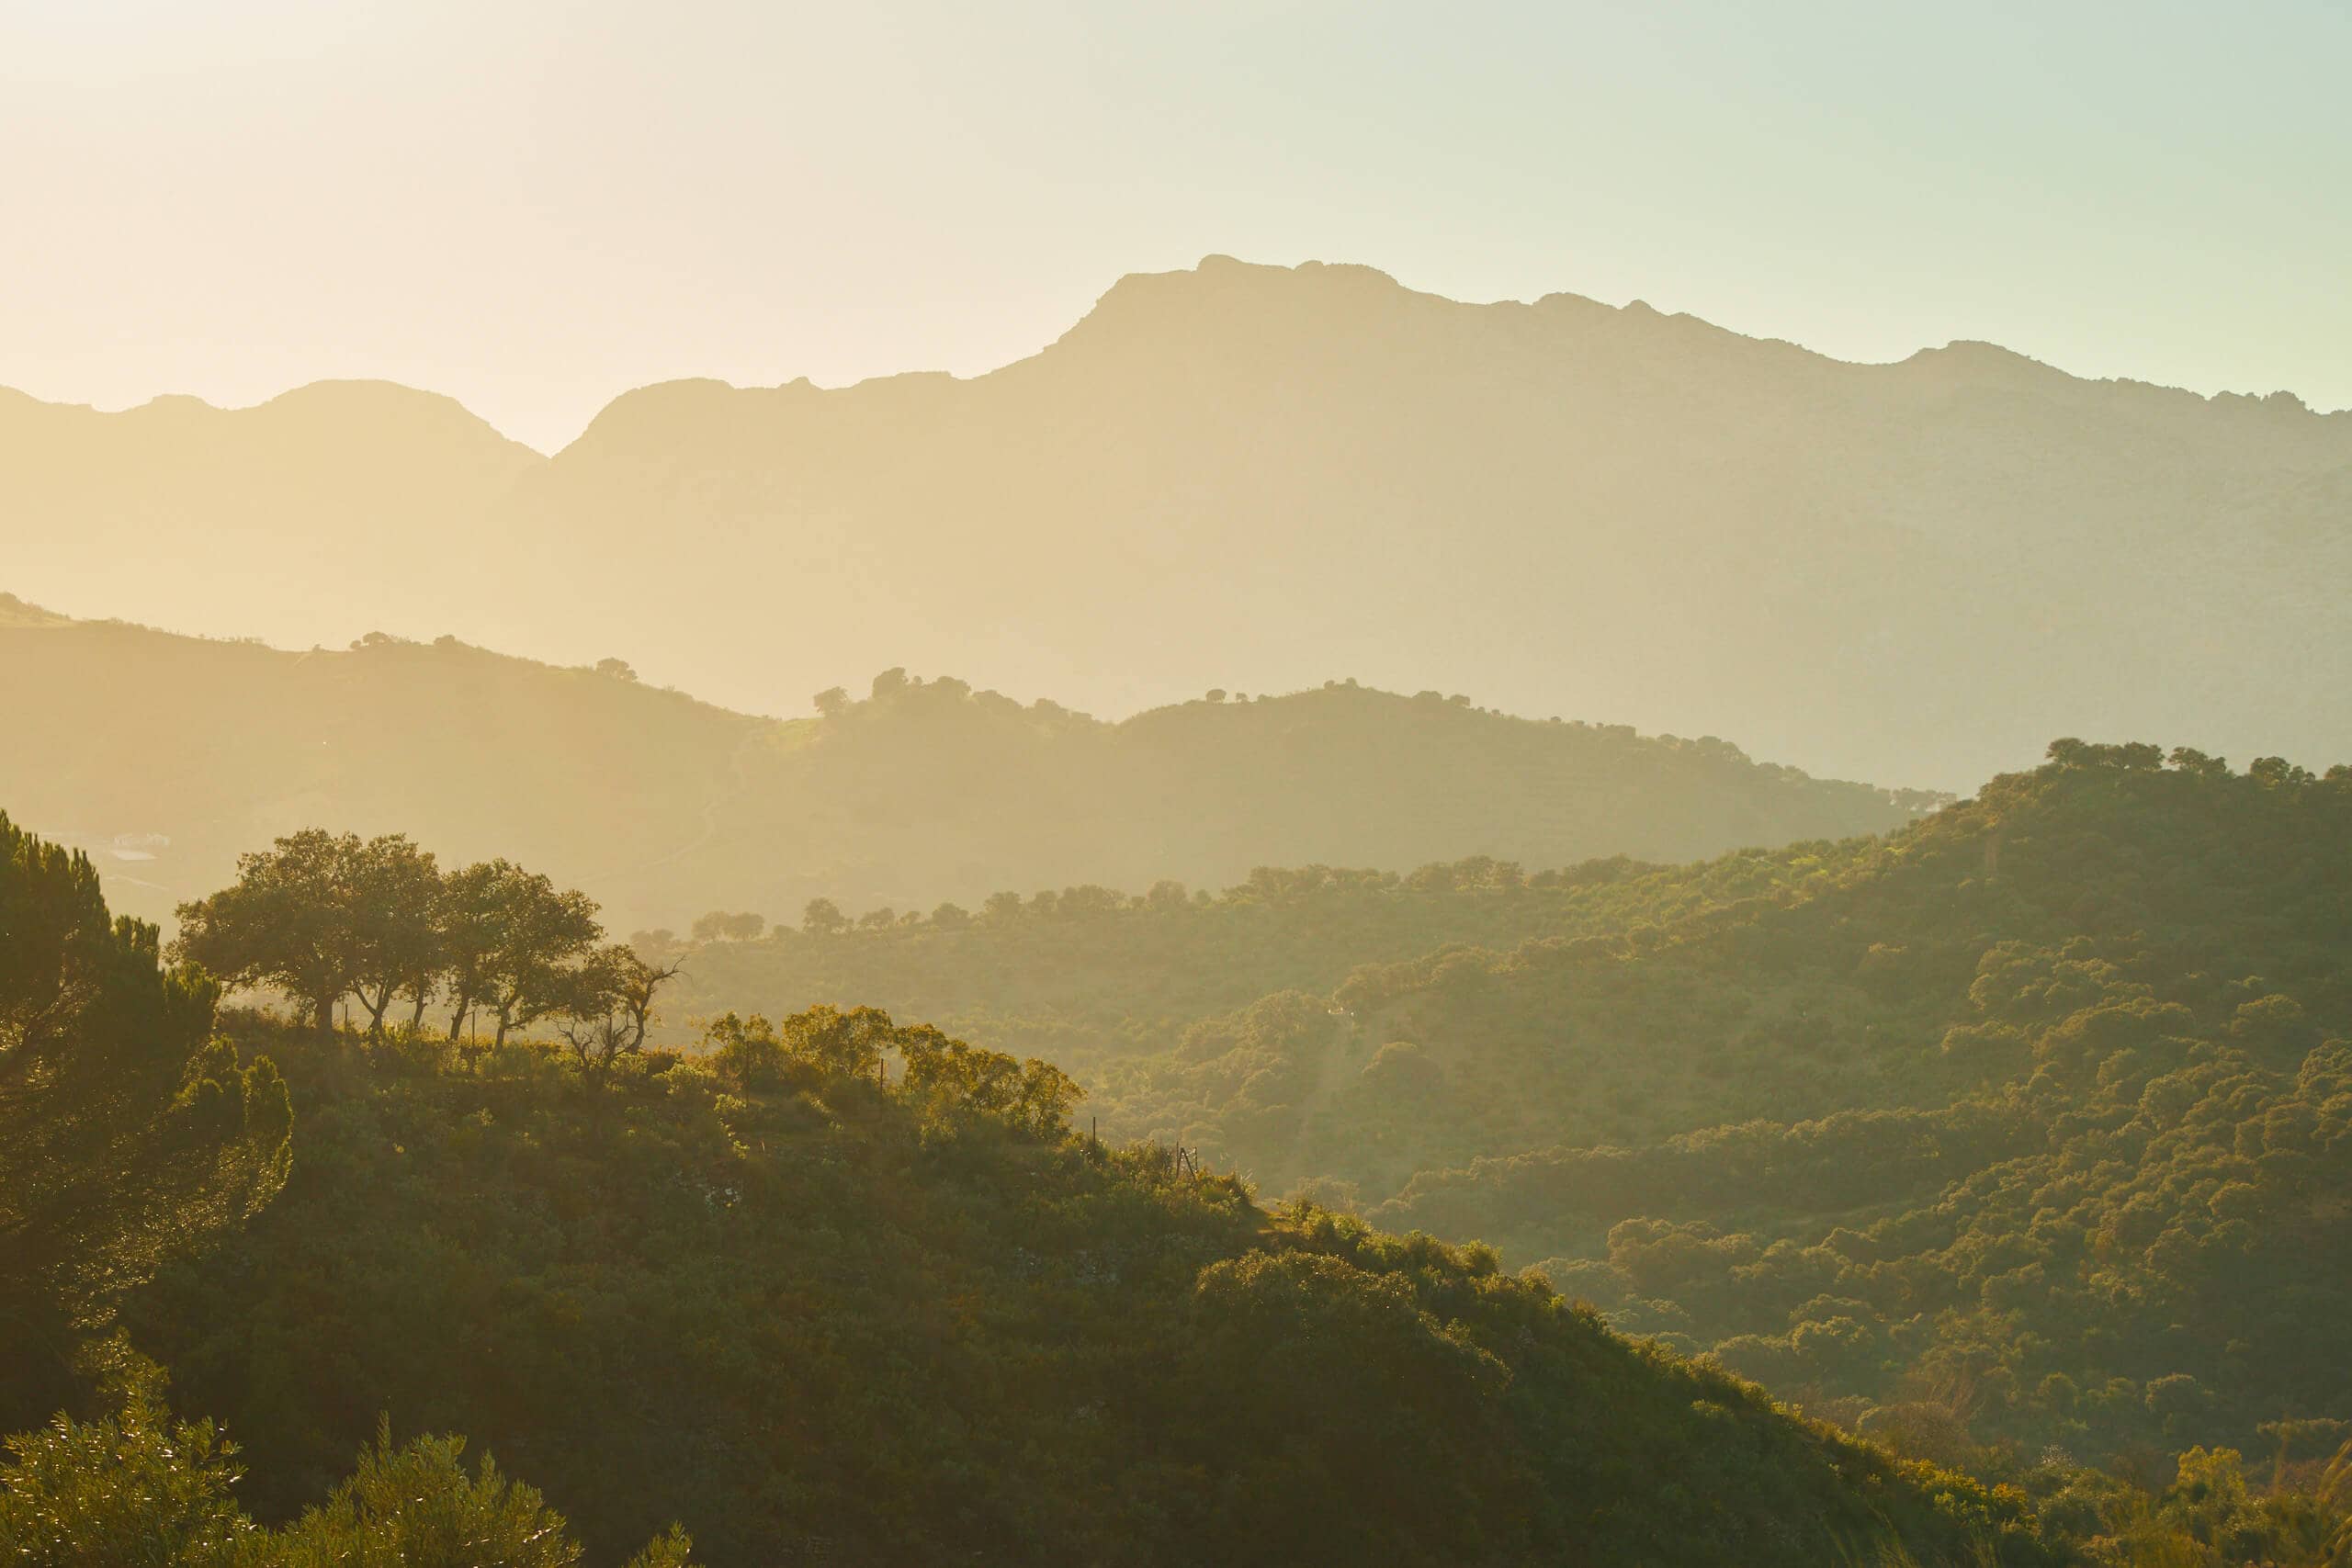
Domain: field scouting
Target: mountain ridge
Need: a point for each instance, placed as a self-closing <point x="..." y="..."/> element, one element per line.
<point x="1274" y="473"/>
<point x="350" y="392"/>
<point x="1559" y="300"/>
<point x="167" y="756"/>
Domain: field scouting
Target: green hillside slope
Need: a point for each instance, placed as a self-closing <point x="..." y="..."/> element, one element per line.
<point x="814" y="1318"/>
<point x="2031" y="1123"/>
<point x="844" y="1289"/>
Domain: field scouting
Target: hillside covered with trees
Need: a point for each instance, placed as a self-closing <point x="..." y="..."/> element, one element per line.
<point x="836" y="1287"/>
<point x="921" y="1270"/>
<point x="2023" y="1125"/>
<point x="2029" y="1124"/>
<point x="167" y="756"/>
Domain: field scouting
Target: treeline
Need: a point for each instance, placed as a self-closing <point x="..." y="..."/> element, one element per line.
<point x="322" y="917"/>
<point x="1089" y="975"/>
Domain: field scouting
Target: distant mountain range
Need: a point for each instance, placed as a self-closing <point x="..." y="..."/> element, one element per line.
<point x="1266" y="478"/>
<point x="167" y="756"/>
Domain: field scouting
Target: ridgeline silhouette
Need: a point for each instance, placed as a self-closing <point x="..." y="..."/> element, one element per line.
<point x="167" y="756"/>
<point x="1915" y="571"/>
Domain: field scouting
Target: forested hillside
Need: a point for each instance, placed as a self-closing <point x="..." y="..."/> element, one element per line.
<point x="2050" y="1086"/>
<point x="839" y="1289"/>
<point x="1915" y="572"/>
<point x="2031" y="1123"/>
<point x="167" y="756"/>
<point x="852" y="1288"/>
<point x="807" y="1316"/>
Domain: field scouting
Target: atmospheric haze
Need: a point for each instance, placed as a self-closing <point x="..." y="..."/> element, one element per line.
<point x="1266" y="478"/>
<point x="766" y="797"/>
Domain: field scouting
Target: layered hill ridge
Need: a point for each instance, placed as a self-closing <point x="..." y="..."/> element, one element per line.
<point x="2029" y="1124"/>
<point x="1918" y="569"/>
<point x="168" y="755"/>
<point x="2024" y="1129"/>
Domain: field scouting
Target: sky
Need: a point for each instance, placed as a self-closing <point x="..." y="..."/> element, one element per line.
<point x="534" y="204"/>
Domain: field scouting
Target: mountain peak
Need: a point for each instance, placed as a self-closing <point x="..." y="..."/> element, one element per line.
<point x="1224" y="289"/>
<point x="350" y="410"/>
<point x="380" y="404"/>
<point x="170" y="404"/>
<point x="1973" y="359"/>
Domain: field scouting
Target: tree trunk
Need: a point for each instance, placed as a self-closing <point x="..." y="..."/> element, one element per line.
<point x="326" y="1017"/>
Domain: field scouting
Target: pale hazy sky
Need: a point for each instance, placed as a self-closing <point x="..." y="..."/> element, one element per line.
<point x="534" y="204"/>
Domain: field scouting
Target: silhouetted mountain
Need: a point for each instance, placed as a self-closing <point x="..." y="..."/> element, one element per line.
<point x="1918" y="569"/>
<point x="271" y="519"/>
<point x="167" y="756"/>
